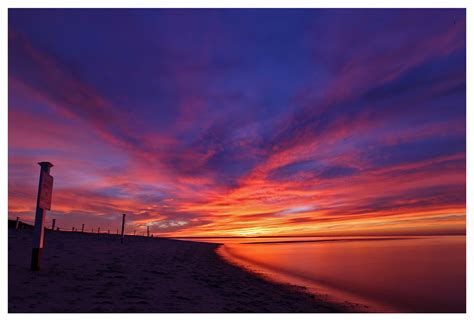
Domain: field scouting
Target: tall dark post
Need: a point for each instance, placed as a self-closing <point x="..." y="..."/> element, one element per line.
<point x="82" y="230"/>
<point x="17" y="222"/>
<point x="53" y="224"/>
<point x="148" y="231"/>
<point x="123" y="227"/>
<point x="43" y="203"/>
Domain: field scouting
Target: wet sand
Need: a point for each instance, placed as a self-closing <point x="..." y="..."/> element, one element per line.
<point x="82" y="273"/>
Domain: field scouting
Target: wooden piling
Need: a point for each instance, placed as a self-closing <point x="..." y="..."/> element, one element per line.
<point x="43" y="203"/>
<point x="123" y="228"/>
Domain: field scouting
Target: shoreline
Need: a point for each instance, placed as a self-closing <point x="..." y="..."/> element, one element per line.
<point x="350" y="302"/>
<point x="395" y="276"/>
<point x="90" y="273"/>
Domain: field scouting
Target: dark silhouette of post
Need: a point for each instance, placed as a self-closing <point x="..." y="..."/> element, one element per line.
<point x="17" y="222"/>
<point x="43" y="203"/>
<point x="53" y="224"/>
<point x="98" y="230"/>
<point x="108" y="232"/>
<point x="72" y="229"/>
<point x="148" y="231"/>
<point x="82" y="230"/>
<point x="123" y="228"/>
<point x="134" y="232"/>
<point x="57" y="229"/>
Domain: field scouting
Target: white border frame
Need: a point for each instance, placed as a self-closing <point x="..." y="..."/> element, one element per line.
<point x="228" y="320"/>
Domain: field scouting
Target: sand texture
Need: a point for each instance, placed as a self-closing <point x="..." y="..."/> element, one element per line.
<point x="83" y="272"/>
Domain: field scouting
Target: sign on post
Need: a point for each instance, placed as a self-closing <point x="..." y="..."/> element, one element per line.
<point x="46" y="187"/>
<point x="43" y="203"/>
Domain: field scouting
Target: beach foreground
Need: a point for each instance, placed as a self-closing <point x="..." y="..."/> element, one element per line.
<point x="82" y="272"/>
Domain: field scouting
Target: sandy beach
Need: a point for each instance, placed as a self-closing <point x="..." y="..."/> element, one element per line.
<point x="82" y="272"/>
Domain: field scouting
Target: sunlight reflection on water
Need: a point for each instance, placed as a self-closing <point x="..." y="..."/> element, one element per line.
<point x="409" y="274"/>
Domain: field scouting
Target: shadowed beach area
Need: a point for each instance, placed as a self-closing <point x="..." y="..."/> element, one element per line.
<point x="83" y="272"/>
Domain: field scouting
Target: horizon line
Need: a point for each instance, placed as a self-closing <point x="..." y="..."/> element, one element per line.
<point x="337" y="235"/>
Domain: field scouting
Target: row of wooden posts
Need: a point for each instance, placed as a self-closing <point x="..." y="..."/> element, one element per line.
<point x="54" y="228"/>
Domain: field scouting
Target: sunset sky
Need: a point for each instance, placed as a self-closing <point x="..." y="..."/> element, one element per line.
<point x="241" y="122"/>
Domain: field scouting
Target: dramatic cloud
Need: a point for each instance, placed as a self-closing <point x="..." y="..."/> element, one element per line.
<point x="241" y="122"/>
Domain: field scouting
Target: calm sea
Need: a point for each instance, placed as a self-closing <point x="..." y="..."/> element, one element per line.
<point x="400" y="274"/>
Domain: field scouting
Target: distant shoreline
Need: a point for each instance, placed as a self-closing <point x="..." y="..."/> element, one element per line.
<point x="322" y="236"/>
<point x="328" y="240"/>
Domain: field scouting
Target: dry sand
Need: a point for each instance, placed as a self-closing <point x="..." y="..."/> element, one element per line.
<point x="82" y="272"/>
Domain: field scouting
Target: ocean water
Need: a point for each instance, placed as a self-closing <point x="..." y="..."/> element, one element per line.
<point x="388" y="274"/>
